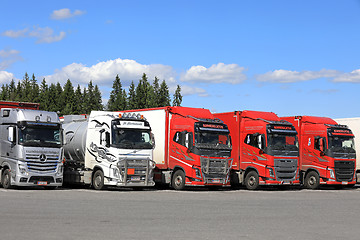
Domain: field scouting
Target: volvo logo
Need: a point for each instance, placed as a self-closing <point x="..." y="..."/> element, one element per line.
<point x="42" y="157"/>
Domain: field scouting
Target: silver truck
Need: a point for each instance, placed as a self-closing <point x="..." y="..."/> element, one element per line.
<point x="31" y="148"/>
<point x="108" y="149"/>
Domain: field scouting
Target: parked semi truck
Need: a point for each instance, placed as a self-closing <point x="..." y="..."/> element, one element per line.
<point x="354" y="125"/>
<point x="193" y="148"/>
<point x="108" y="149"/>
<point x="31" y="146"/>
<point x="327" y="151"/>
<point x="265" y="150"/>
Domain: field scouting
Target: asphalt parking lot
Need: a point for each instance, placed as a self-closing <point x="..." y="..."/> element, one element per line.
<point x="198" y="213"/>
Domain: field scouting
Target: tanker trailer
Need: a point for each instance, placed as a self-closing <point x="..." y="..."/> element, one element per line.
<point x="108" y="149"/>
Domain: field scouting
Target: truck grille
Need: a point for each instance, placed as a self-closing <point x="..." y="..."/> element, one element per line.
<point x="285" y="169"/>
<point x="136" y="172"/>
<point x="42" y="163"/>
<point x="344" y="170"/>
<point x="215" y="170"/>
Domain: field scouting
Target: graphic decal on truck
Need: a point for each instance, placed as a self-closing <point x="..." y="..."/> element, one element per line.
<point x="102" y="153"/>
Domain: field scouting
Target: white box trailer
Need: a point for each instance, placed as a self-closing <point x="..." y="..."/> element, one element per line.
<point x="354" y="125"/>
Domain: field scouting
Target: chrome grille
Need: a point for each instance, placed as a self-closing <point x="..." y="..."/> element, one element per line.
<point x="42" y="162"/>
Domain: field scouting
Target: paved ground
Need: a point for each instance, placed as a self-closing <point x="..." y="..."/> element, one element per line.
<point x="167" y="214"/>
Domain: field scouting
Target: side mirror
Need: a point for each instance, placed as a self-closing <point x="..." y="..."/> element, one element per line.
<point x="188" y="140"/>
<point x="153" y="140"/>
<point x="107" y="139"/>
<point x="260" y="142"/>
<point x="11" y="135"/>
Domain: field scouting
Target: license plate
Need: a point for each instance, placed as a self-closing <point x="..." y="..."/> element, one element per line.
<point x="41" y="183"/>
<point x="215" y="181"/>
<point x="344" y="183"/>
<point x="135" y="178"/>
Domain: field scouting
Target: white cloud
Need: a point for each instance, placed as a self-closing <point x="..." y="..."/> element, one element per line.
<point x="43" y="35"/>
<point x="65" y="13"/>
<point x="8" y="57"/>
<point x="187" y="90"/>
<point x="5" y="77"/>
<point x="104" y="72"/>
<point x="352" y="77"/>
<point x="286" y="76"/>
<point x="15" y="34"/>
<point x="217" y="73"/>
<point x="46" y="35"/>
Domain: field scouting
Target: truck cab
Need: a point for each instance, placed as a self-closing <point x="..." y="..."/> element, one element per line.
<point x="31" y="146"/>
<point x="265" y="149"/>
<point x="108" y="149"/>
<point x="327" y="151"/>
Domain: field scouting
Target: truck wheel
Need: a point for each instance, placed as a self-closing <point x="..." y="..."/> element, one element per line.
<point x="312" y="180"/>
<point x="178" y="180"/>
<point x="252" y="180"/>
<point x="98" y="180"/>
<point x="6" y="179"/>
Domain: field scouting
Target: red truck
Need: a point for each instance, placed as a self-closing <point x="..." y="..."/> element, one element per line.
<point x="327" y="151"/>
<point x="264" y="149"/>
<point x="193" y="148"/>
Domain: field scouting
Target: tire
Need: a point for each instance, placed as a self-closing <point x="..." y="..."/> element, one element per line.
<point x="98" y="180"/>
<point x="6" y="179"/>
<point x="252" y="180"/>
<point x="312" y="180"/>
<point x="178" y="180"/>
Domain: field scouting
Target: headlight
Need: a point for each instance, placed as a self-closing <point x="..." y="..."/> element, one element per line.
<point x="22" y="170"/>
<point x="197" y="172"/>
<point x="60" y="169"/>
<point x="271" y="172"/>
<point x="152" y="164"/>
<point x="332" y="175"/>
<point x="116" y="172"/>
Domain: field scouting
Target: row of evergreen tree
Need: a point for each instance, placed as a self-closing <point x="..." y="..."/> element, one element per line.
<point x="69" y="100"/>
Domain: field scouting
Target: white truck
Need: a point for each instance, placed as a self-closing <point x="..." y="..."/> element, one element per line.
<point x="108" y="149"/>
<point x="354" y="125"/>
<point x="31" y="146"/>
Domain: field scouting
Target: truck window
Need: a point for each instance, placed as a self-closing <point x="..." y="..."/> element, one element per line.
<point x="319" y="143"/>
<point x="251" y="140"/>
<point x="179" y="138"/>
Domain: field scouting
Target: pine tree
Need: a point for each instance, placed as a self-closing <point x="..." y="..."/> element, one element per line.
<point x="19" y="93"/>
<point x="26" y="89"/>
<point x="60" y="103"/>
<point x="131" y="100"/>
<point x="117" y="100"/>
<point x="52" y="98"/>
<point x="78" y="101"/>
<point x="44" y="95"/>
<point x="164" y="96"/>
<point x="4" y="92"/>
<point x="97" y="99"/>
<point x="12" y="91"/>
<point x="144" y="93"/>
<point x="68" y="98"/>
<point x="177" y="96"/>
<point x="34" y="90"/>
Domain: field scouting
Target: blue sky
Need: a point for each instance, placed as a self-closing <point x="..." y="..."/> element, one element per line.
<point x="288" y="57"/>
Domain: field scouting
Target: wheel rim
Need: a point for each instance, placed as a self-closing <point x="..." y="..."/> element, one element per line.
<point x="178" y="181"/>
<point x="312" y="181"/>
<point x="6" y="180"/>
<point x="252" y="181"/>
<point x="97" y="180"/>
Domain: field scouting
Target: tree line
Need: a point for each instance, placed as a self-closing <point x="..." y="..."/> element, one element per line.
<point x="74" y="100"/>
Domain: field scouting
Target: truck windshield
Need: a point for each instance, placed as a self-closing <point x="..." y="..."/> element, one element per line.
<point x="212" y="139"/>
<point x="280" y="144"/>
<point x="341" y="144"/>
<point x="129" y="138"/>
<point x="40" y="134"/>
